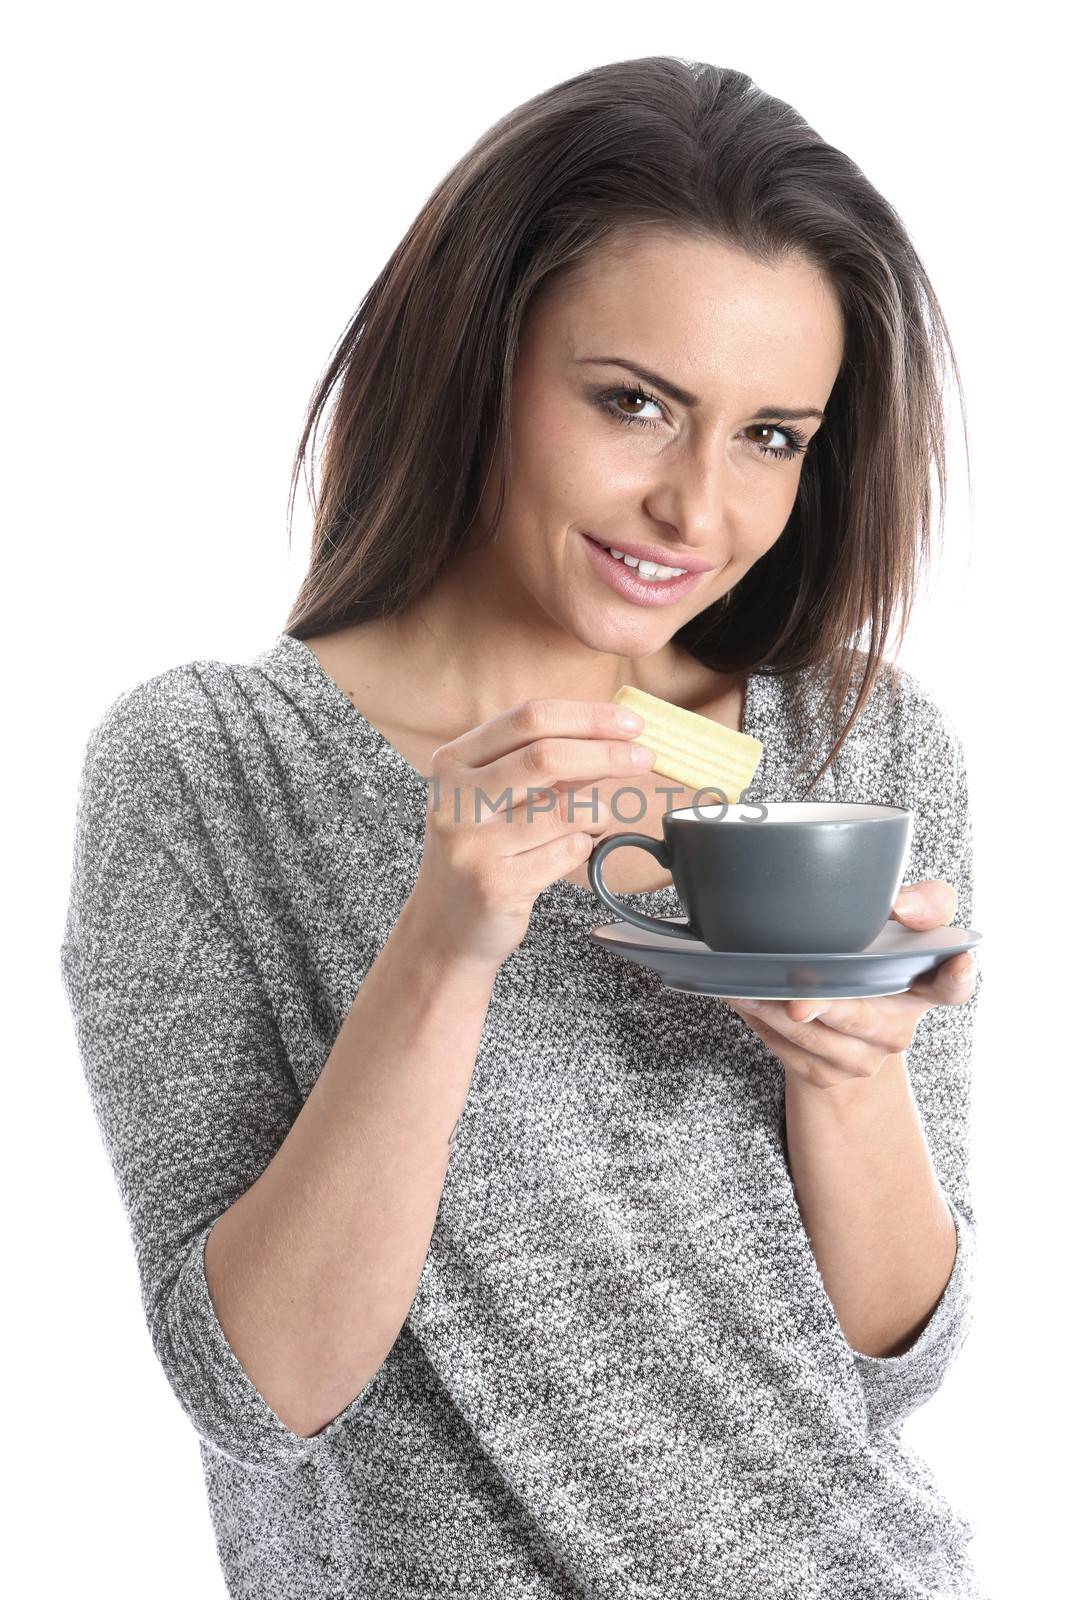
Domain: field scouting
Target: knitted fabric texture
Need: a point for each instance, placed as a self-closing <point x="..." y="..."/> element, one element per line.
<point x="621" y="1375"/>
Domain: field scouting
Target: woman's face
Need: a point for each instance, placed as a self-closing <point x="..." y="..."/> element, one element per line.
<point x="592" y="460"/>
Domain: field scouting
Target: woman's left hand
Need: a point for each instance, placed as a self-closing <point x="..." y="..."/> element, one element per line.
<point x="855" y="1038"/>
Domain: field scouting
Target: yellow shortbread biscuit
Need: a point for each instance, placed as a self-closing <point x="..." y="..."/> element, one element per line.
<point x="693" y="749"/>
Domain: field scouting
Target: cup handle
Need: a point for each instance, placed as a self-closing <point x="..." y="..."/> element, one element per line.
<point x="655" y="847"/>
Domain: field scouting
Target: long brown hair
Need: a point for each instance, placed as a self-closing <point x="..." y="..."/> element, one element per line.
<point x="423" y="370"/>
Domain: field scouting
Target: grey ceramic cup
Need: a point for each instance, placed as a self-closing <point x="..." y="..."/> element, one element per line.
<point x="799" y="876"/>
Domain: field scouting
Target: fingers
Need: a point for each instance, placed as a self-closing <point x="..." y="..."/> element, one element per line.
<point x="826" y="1062"/>
<point x="932" y="903"/>
<point x="539" y="720"/>
<point x="538" y="750"/>
<point x="928" y="904"/>
<point x="950" y="984"/>
<point x="852" y="1035"/>
<point x="855" y="1036"/>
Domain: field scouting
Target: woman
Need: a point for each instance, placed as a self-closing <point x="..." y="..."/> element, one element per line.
<point x="481" y="1262"/>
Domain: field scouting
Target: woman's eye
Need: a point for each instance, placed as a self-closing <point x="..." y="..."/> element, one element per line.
<point x="794" y="444"/>
<point x="635" y="396"/>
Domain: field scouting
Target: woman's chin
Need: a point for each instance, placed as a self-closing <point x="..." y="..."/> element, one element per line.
<point x="641" y="635"/>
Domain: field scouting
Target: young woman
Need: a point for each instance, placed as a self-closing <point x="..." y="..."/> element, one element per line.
<point x="481" y="1262"/>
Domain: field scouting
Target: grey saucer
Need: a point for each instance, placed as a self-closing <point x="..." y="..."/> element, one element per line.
<point x="888" y="965"/>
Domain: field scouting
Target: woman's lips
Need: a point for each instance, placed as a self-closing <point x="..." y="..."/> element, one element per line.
<point x="628" y="582"/>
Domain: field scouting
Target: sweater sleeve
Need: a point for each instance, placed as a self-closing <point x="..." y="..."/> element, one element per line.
<point x="186" y="1073"/>
<point x="939" y="1069"/>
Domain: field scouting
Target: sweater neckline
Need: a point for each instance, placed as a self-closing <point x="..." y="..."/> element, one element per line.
<point x="347" y="719"/>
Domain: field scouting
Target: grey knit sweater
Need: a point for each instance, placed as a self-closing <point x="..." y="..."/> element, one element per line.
<point x="621" y="1375"/>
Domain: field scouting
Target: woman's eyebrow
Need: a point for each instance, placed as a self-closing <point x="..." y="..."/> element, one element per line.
<point x="685" y="398"/>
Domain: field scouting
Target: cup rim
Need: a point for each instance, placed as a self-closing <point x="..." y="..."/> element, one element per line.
<point x="858" y="812"/>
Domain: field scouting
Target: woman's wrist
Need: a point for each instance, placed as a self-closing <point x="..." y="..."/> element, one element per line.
<point x="425" y="947"/>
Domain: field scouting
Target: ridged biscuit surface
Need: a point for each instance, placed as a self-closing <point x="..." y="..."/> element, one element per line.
<point x="693" y="749"/>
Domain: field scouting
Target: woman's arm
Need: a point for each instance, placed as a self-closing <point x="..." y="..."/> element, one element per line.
<point x="878" y="1141"/>
<point x="880" y="1229"/>
<point x="880" y="1165"/>
<point x="296" y="1230"/>
<point x="313" y="1270"/>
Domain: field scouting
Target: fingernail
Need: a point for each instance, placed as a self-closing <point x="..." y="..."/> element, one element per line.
<point x="964" y="974"/>
<point x="909" y="900"/>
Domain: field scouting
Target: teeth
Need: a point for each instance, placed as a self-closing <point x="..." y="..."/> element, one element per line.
<point x="647" y="569"/>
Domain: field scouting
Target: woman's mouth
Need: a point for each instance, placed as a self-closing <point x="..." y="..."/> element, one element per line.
<point x="634" y="584"/>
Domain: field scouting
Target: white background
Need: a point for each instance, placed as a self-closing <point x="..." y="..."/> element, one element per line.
<point x="198" y="196"/>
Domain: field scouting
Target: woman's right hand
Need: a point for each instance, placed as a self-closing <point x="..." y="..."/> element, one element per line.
<point x="485" y="860"/>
